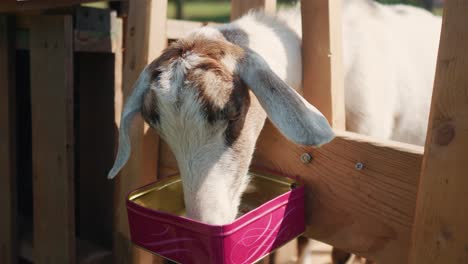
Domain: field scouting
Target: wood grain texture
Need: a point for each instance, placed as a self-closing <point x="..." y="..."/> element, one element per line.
<point x="145" y="38"/>
<point x="441" y="224"/>
<point x="53" y="142"/>
<point x="240" y="7"/>
<point x="8" y="232"/>
<point x="369" y="211"/>
<point x="322" y="59"/>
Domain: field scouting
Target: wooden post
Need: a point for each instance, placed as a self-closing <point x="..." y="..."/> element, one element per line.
<point x="145" y="38"/>
<point x="8" y="239"/>
<point x="440" y="228"/>
<point x="321" y="59"/>
<point x="240" y="7"/>
<point x="52" y="138"/>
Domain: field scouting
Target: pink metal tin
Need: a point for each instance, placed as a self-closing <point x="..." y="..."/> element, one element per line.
<point x="274" y="214"/>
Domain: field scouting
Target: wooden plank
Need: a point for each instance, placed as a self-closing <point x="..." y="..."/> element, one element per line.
<point x="8" y="229"/>
<point x="321" y="59"/>
<point x="52" y="136"/>
<point x="367" y="211"/>
<point x="145" y="39"/>
<point x="32" y="5"/>
<point x="240" y="7"/>
<point x="440" y="227"/>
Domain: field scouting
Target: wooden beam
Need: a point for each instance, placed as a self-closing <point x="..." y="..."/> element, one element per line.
<point x="361" y="193"/>
<point x="32" y="5"/>
<point x="145" y="39"/>
<point x="240" y="7"/>
<point x="8" y="230"/>
<point x="52" y="139"/>
<point x="321" y="59"/>
<point x="440" y="227"/>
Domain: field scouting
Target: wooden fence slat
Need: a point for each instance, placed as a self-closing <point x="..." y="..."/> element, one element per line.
<point x="240" y="7"/>
<point x="441" y="224"/>
<point x="145" y="38"/>
<point x="8" y="234"/>
<point x="52" y="136"/>
<point x="367" y="211"/>
<point x="321" y="59"/>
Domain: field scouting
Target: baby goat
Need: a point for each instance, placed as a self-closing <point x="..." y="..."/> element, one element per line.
<point x="208" y="94"/>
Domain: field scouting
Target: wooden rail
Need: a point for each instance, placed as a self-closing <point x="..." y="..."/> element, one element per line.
<point x="367" y="211"/>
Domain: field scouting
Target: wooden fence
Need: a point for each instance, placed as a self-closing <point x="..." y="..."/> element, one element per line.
<point x="403" y="205"/>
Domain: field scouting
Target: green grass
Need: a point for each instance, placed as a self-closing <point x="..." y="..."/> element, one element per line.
<point x="203" y="11"/>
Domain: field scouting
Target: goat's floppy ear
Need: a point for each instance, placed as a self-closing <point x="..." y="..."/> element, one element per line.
<point x="298" y="120"/>
<point x="131" y="108"/>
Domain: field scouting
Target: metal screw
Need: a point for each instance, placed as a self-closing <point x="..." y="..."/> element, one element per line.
<point x="359" y="166"/>
<point x="306" y="158"/>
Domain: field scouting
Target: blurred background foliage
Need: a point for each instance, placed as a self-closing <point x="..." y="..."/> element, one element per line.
<point x="218" y="10"/>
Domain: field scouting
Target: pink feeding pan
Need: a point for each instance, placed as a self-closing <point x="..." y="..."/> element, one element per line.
<point x="272" y="214"/>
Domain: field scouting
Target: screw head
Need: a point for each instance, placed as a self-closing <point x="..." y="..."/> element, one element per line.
<point x="359" y="166"/>
<point x="306" y="158"/>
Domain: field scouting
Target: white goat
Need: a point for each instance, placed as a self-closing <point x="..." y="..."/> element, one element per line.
<point x="209" y="93"/>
